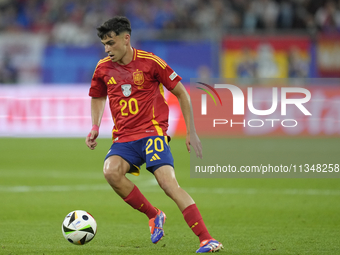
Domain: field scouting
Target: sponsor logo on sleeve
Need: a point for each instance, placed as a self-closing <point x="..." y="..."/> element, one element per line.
<point x="173" y="76"/>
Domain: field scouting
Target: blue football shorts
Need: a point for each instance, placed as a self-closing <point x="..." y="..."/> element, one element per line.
<point x="153" y="150"/>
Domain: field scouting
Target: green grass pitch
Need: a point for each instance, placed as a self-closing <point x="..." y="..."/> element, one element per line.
<point x="41" y="180"/>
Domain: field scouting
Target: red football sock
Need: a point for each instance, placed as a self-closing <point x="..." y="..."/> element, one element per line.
<point x="137" y="200"/>
<point x="194" y="220"/>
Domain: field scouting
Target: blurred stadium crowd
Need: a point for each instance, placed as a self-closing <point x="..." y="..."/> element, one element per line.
<point x="69" y="16"/>
<point x="54" y="41"/>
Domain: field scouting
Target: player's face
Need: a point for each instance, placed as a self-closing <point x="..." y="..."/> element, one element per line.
<point x="116" y="46"/>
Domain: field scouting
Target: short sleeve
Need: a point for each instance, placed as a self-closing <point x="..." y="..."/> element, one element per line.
<point x="168" y="77"/>
<point x="98" y="87"/>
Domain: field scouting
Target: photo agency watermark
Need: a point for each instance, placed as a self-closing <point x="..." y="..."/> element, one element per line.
<point x="265" y="128"/>
<point x="239" y="101"/>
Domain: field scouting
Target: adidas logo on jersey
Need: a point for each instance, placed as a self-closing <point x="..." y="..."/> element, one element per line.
<point x="155" y="157"/>
<point x="111" y="81"/>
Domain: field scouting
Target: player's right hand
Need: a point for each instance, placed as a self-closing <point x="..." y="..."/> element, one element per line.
<point x="195" y="142"/>
<point x="91" y="139"/>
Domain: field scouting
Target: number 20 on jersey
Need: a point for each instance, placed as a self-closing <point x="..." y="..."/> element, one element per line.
<point x="130" y="106"/>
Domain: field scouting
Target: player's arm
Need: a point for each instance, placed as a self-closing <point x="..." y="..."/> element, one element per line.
<point x="97" y="110"/>
<point x="184" y="101"/>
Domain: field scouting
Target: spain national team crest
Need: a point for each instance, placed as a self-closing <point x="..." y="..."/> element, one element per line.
<point x="138" y="77"/>
<point x="126" y="89"/>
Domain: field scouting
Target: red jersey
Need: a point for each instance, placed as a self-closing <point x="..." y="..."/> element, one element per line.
<point x="136" y="94"/>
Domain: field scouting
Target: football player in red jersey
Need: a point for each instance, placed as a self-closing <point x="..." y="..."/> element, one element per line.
<point x="133" y="81"/>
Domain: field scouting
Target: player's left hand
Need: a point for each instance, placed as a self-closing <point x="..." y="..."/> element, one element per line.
<point x="195" y="142"/>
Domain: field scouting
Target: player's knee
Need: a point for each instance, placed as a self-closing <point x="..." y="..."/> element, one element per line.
<point x="169" y="186"/>
<point x="113" y="172"/>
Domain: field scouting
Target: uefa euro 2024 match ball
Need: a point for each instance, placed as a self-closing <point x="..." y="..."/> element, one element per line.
<point x="79" y="227"/>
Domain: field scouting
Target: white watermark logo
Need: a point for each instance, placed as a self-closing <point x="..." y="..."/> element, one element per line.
<point x="239" y="104"/>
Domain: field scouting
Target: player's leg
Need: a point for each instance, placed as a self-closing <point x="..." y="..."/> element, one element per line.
<point x="166" y="178"/>
<point x="115" y="169"/>
<point x="159" y="161"/>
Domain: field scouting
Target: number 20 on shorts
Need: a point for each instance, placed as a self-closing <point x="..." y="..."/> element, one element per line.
<point x="156" y="144"/>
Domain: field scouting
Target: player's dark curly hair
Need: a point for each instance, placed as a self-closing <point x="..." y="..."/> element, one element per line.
<point x="117" y="25"/>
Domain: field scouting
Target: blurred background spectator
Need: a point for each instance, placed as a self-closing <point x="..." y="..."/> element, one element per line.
<point x="8" y="72"/>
